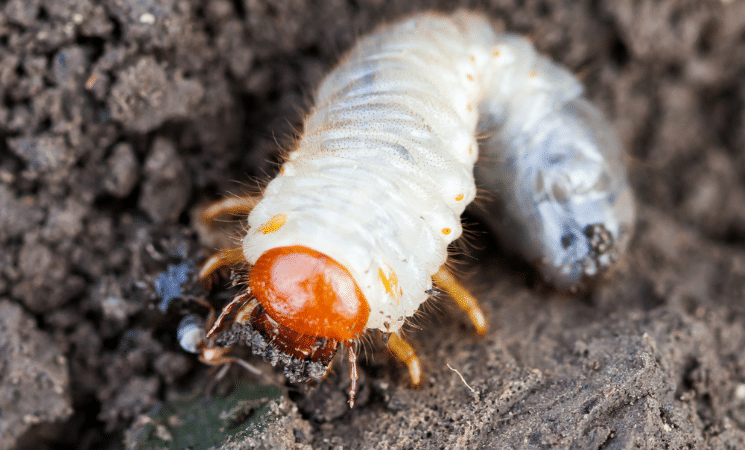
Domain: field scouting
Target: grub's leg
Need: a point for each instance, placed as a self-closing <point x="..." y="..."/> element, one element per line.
<point x="352" y="374"/>
<point x="208" y="305"/>
<point x="447" y="282"/>
<point x="217" y="356"/>
<point x="227" y="257"/>
<point x="405" y="353"/>
<point x="239" y="299"/>
<point x="235" y="206"/>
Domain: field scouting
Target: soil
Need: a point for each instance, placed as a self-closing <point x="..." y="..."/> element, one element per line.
<point x="121" y="118"/>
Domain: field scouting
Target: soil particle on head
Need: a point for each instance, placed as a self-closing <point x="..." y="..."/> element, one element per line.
<point x="119" y="116"/>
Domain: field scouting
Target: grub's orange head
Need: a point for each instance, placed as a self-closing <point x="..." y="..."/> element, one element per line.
<point x="309" y="293"/>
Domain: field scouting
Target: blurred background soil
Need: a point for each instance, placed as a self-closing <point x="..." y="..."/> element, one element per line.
<point x="120" y="118"/>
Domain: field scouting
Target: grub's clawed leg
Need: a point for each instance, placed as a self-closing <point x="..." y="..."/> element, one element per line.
<point x="234" y="206"/>
<point x="193" y="337"/>
<point x="216" y="356"/>
<point x="227" y="206"/>
<point x="208" y="305"/>
<point x="208" y="352"/>
<point x="352" y="374"/>
<point x="447" y="282"/>
<point x="223" y="258"/>
<point x="405" y="353"/>
<point x="238" y="300"/>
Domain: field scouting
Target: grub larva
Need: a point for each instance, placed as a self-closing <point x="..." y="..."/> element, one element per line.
<point x="355" y="228"/>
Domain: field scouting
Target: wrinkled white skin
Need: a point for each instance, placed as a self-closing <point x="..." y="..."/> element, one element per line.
<point x="559" y="177"/>
<point x="556" y="166"/>
<point x="384" y="167"/>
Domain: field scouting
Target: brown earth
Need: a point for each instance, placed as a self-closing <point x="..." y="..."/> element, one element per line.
<point x="121" y="117"/>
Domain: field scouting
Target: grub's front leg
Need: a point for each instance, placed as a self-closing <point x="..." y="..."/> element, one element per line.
<point x="230" y="206"/>
<point x="405" y="353"/>
<point x="228" y="257"/>
<point x="445" y="280"/>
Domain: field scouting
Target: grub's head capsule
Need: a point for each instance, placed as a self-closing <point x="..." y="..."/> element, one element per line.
<point x="309" y="303"/>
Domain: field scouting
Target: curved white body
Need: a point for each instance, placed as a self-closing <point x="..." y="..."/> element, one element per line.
<point x="384" y="167"/>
